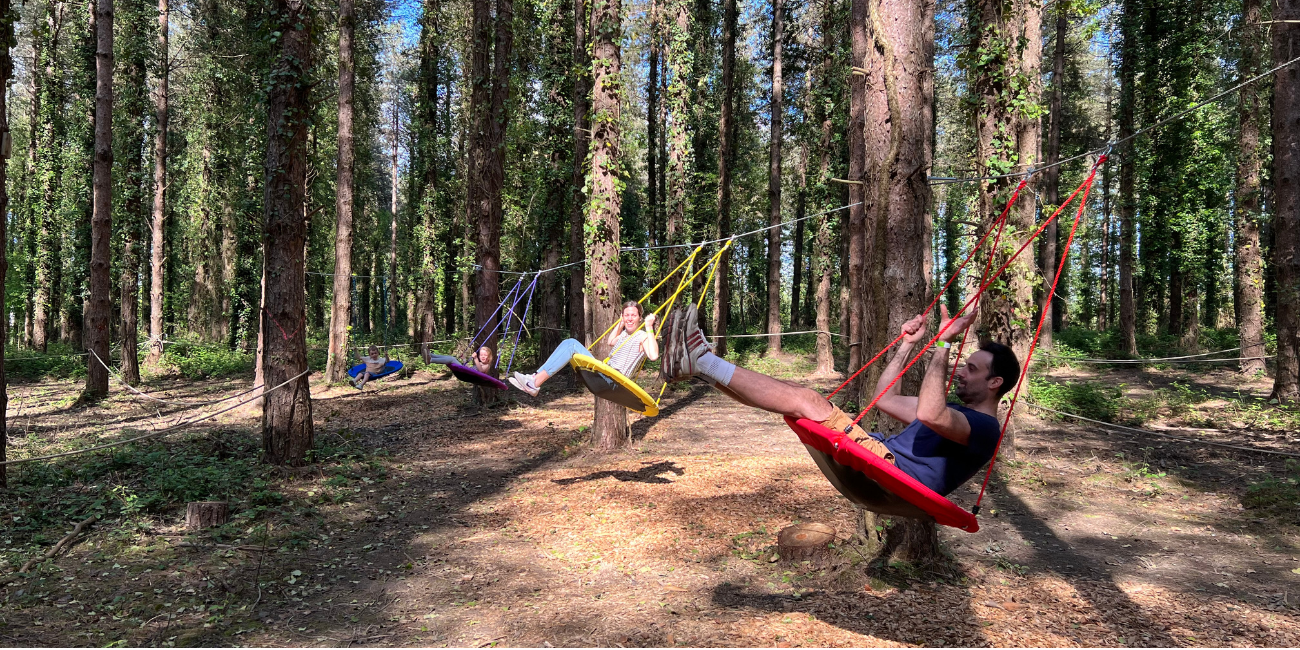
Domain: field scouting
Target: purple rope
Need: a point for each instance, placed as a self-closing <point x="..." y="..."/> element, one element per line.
<point x="527" y="307"/>
<point x="514" y="314"/>
<point x="473" y="343"/>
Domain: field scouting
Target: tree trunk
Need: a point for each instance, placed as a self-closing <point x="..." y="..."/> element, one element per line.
<point x="653" y="172"/>
<point x="823" y="267"/>
<point x="101" y="304"/>
<point x="6" y="73"/>
<point x="1286" y="184"/>
<point x="486" y="157"/>
<point x="132" y="100"/>
<point x="774" y="186"/>
<point x="1127" y="180"/>
<point x="865" y="55"/>
<point x="579" y="328"/>
<point x="726" y="154"/>
<point x="1049" y="304"/>
<point x="1249" y="266"/>
<point x="287" y="433"/>
<point x="604" y="203"/>
<point x="800" y="211"/>
<point x="130" y="281"/>
<point x="901" y="107"/>
<point x="678" y="59"/>
<point x="428" y="193"/>
<point x="900" y="539"/>
<point x="392" y="283"/>
<point x="159" y="193"/>
<point x="50" y="173"/>
<point x="336" y="364"/>
<point x="1007" y="307"/>
<point x="1104" y="292"/>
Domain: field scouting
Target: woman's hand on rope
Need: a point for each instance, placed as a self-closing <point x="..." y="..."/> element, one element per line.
<point x="951" y="329"/>
<point x="650" y="321"/>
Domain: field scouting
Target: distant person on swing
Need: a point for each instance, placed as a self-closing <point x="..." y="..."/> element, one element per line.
<point x="943" y="445"/>
<point x="629" y="345"/>
<point x="374" y="366"/>
<point x="482" y="359"/>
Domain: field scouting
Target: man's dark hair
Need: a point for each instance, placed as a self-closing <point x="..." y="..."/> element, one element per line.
<point x="1005" y="365"/>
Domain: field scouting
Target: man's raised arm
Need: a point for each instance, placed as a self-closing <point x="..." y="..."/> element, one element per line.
<point x="891" y="403"/>
<point x="932" y="401"/>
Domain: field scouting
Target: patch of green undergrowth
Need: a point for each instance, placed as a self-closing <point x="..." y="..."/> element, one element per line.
<point x="59" y="361"/>
<point x="1276" y="496"/>
<point x="1090" y="399"/>
<point x="201" y="361"/>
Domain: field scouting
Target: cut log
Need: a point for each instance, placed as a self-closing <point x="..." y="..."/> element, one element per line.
<point x="810" y="541"/>
<point x="206" y="514"/>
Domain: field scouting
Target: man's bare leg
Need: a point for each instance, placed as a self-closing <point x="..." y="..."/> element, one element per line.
<point x="775" y="396"/>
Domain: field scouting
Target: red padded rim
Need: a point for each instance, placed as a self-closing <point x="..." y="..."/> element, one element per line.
<point x="473" y="376"/>
<point x="846" y="452"/>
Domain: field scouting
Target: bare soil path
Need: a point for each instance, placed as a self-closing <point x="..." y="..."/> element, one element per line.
<point x="457" y="528"/>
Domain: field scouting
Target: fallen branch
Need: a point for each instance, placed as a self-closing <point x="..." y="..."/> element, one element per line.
<point x="67" y="539"/>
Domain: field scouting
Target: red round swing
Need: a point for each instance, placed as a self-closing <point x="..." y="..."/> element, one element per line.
<point x="876" y="484"/>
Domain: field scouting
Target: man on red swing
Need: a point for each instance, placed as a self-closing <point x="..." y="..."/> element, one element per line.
<point x="943" y="445"/>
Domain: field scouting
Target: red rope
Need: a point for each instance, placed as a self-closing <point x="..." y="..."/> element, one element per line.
<point x="1001" y="221"/>
<point x="1024" y="369"/>
<point x="984" y="276"/>
<point x="1030" y="240"/>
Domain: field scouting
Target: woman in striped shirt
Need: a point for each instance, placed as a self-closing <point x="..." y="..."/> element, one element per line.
<point x="630" y="345"/>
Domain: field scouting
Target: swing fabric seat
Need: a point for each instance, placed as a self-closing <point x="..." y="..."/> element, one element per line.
<point x="609" y="384"/>
<point x="389" y="368"/>
<point x="873" y="482"/>
<point x="473" y="376"/>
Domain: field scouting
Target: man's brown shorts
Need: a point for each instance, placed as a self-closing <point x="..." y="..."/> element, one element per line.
<point x="839" y="419"/>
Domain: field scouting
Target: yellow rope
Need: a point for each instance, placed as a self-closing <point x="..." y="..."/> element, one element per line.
<point x="709" y="281"/>
<point x="681" y="286"/>
<point x="649" y="293"/>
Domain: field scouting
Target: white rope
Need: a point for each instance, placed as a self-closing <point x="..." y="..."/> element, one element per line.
<point x="1176" y="116"/>
<point x="750" y="336"/>
<point x="627" y="249"/>
<point x="160" y="400"/>
<point x="1189" y="358"/>
<point x="155" y="434"/>
<point x="1148" y="432"/>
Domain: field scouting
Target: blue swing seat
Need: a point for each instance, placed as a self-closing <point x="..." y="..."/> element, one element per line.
<point x="389" y="368"/>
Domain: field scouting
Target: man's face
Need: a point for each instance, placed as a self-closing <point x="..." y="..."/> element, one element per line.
<point x="974" y="380"/>
<point x="631" y="318"/>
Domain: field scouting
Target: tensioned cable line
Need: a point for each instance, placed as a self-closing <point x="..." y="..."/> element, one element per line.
<point x="944" y="180"/>
<point x="160" y="400"/>
<point x="1188" y="358"/>
<point x="1147" y="432"/>
<point x="751" y="336"/>
<point x="1133" y="362"/>
<point x="160" y="432"/>
<point x="629" y="249"/>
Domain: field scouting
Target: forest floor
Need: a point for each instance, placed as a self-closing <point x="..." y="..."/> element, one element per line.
<point x="425" y="522"/>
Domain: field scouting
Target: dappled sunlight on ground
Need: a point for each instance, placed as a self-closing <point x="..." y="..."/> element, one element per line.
<point x="434" y="524"/>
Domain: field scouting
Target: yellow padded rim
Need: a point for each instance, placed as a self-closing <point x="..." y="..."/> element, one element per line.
<point x="584" y="362"/>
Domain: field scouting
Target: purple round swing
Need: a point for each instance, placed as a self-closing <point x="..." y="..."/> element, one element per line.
<point x="471" y="376"/>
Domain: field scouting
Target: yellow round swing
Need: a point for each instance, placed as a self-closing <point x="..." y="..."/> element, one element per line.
<point x="609" y="384"/>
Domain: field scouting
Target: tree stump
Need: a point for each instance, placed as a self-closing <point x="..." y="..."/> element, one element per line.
<point x="810" y="541"/>
<point x="205" y="514"/>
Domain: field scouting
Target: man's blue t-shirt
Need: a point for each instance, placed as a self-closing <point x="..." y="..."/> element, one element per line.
<point x="939" y="463"/>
